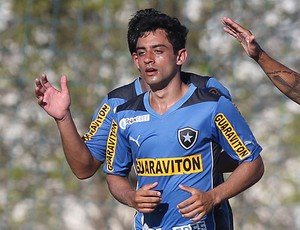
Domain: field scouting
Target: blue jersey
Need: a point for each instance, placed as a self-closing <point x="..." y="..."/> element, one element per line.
<point x="95" y="138"/>
<point x="176" y="148"/>
<point x="97" y="134"/>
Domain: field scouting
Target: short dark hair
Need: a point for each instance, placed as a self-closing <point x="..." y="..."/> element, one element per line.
<point x="149" y="20"/>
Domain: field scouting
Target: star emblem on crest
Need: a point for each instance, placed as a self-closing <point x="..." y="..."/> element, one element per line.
<point x="187" y="137"/>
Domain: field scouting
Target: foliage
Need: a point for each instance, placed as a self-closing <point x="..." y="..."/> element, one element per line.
<point x="87" y="41"/>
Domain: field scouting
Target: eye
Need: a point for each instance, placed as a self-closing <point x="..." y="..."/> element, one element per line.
<point x="140" y="53"/>
<point x="158" y="51"/>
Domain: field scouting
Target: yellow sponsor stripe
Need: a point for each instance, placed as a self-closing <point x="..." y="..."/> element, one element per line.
<point x="111" y="146"/>
<point x="231" y="136"/>
<point x="169" y="166"/>
<point x="97" y="123"/>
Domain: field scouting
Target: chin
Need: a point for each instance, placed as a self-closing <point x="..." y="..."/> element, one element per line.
<point x="151" y="80"/>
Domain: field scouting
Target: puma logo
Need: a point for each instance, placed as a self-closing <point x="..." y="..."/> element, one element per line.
<point x="135" y="140"/>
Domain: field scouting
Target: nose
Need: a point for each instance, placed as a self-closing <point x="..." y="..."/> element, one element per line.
<point x="149" y="57"/>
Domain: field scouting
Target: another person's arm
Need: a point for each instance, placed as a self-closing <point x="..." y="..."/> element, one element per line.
<point x="57" y="105"/>
<point x="285" y="79"/>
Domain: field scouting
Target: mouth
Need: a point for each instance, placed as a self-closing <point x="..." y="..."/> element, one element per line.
<point x="150" y="71"/>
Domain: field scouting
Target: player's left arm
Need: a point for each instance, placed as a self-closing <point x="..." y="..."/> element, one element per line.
<point x="232" y="132"/>
<point x="201" y="203"/>
<point x="235" y="136"/>
<point x="225" y="164"/>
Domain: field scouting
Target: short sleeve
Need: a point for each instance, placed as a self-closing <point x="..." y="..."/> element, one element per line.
<point x="232" y="132"/>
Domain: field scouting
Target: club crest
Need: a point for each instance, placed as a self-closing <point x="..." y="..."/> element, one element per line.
<point x="187" y="137"/>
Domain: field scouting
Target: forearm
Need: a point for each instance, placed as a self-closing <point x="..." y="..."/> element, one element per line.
<point x="121" y="189"/>
<point x="78" y="156"/>
<point x="243" y="177"/>
<point x="285" y="79"/>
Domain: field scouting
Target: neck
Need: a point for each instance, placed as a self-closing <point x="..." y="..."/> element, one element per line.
<point x="162" y="100"/>
<point x="145" y="87"/>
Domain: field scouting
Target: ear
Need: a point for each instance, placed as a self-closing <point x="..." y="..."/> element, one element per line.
<point x="181" y="56"/>
<point x="135" y="59"/>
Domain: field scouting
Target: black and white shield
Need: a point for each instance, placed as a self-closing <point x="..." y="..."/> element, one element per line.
<point x="187" y="137"/>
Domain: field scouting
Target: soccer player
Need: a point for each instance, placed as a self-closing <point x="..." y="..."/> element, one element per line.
<point x="285" y="79"/>
<point x="168" y="134"/>
<point x="86" y="154"/>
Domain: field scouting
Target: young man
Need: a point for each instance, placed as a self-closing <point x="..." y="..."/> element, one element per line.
<point x="169" y="134"/>
<point x="85" y="157"/>
<point x="285" y="79"/>
<point x="86" y="154"/>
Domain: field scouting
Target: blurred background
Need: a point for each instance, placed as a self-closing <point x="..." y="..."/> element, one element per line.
<point x="86" y="40"/>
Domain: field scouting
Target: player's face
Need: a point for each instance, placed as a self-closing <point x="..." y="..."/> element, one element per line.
<point x="156" y="60"/>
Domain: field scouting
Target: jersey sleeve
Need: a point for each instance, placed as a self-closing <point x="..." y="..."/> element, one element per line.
<point x="214" y="86"/>
<point x="95" y="138"/>
<point x="232" y="132"/>
<point x="118" y="155"/>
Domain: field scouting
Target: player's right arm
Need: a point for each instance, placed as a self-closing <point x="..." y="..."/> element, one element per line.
<point x="144" y="200"/>
<point x="285" y="79"/>
<point x="118" y="164"/>
<point x="57" y="104"/>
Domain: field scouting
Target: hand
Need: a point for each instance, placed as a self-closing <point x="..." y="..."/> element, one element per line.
<point x="146" y="199"/>
<point x="55" y="103"/>
<point x="244" y="36"/>
<point x="197" y="206"/>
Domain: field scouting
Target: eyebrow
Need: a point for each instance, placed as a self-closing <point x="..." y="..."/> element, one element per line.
<point x="153" y="47"/>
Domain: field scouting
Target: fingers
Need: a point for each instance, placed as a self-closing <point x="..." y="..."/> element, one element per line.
<point x="147" y="207"/>
<point x="230" y="23"/>
<point x="229" y="27"/>
<point x="194" y="214"/>
<point x="41" y="86"/>
<point x="230" y="31"/>
<point x="194" y="207"/>
<point x="42" y="83"/>
<point x="45" y="81"/>
<point x="149" y="186"/>
<point x="191" y="207"/>
<point x="64" y="83"/>
<point x="147" y="199"/>
<point x="38" y="82"/>
<point x="233" y="27"/>
<point x="188" y="201"/>
<point x="39" y="90"/>
<point x="186" y="188"/>
<point x="146" y="193"/>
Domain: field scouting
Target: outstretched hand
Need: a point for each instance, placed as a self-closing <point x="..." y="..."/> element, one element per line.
<point x="244" y="36"/>
<point x="146" y="199"/>
<point x="197" y="206"/>
<point x="56" y="103"/>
